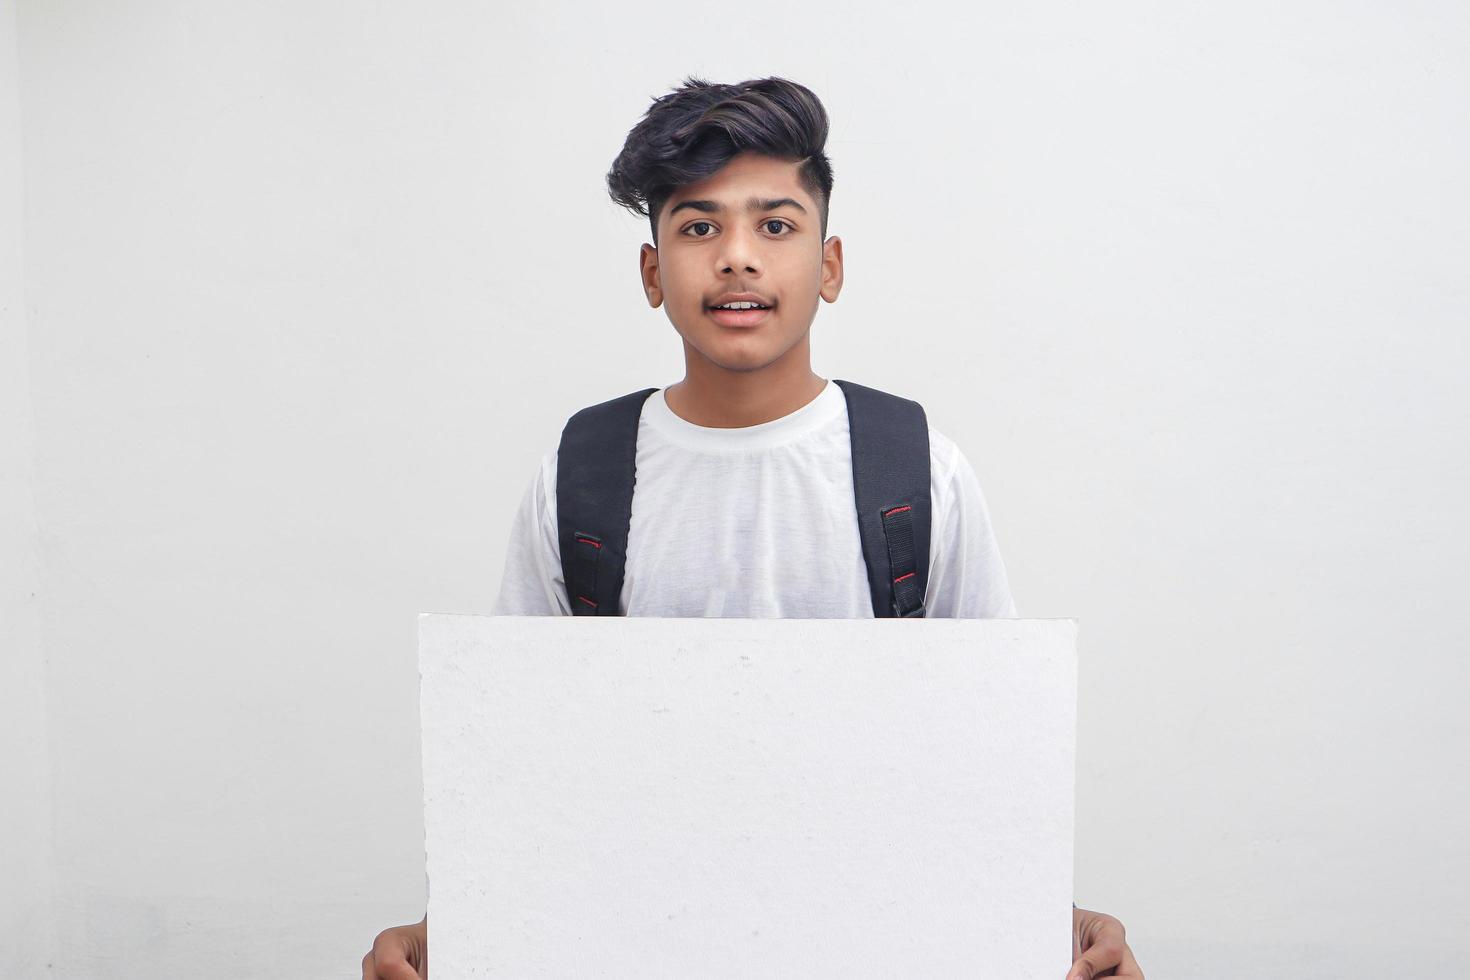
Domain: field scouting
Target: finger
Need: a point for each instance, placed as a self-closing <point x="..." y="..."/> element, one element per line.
<point x="1129" y="967"/>
<point x="390" y="958"/>
<point x="1103" y="955"/>
<point x="394" y="970"/>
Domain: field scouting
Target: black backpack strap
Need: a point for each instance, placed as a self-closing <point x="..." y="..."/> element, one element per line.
<point x="594" y="500"/>
<point x="890" y="484"/>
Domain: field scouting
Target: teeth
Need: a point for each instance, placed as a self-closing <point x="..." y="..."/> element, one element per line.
<point x="741" y="306"/>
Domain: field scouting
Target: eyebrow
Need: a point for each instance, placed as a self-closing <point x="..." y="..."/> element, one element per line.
<point x="754" y="204"/>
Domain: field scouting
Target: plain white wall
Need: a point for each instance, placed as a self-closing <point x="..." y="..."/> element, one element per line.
<point x="25" y="839"/>
<point x="311" y="286"/>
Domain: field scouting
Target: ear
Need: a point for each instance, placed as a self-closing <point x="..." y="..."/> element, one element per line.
<point x="648" y="273"/>
<point x="831" y="269"/>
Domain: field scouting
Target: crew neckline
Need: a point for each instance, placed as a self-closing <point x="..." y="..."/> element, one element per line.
<point x="826" y="405"/>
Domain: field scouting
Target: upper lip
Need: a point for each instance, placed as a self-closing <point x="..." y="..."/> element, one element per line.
<point x="742" y="298"/>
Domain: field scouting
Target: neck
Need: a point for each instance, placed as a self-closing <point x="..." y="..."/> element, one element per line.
<point x="718" y="398"/>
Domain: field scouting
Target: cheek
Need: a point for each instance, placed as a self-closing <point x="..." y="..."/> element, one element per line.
<point x="807" y="274"/>
<point x="681" y="289"/>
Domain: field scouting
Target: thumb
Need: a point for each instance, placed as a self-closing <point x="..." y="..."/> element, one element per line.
<point x="1102" y="956"/>
<point x="391" y="957"/>
<point x="397" y="970"/>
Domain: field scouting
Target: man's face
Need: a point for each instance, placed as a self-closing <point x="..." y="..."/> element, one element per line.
<point x="712" y="242"/>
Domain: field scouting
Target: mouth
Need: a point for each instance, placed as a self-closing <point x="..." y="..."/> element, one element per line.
<point x="738" y="318"/>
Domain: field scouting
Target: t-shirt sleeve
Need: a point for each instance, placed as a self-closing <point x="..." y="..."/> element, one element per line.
<point x="532" y="583"/>
<point x="967" y="579"/>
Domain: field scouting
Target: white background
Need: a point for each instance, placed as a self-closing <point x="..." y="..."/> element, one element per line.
<point x="296" y="294"/>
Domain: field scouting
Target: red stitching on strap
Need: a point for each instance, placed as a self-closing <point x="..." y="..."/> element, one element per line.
<point x="588" y="601"/>
<point x="902" y="577"/>
<point x="589" y="541"/>
<point x="896" y="510"/>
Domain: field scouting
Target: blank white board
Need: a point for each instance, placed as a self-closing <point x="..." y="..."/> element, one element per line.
<point x="622" y="797"/>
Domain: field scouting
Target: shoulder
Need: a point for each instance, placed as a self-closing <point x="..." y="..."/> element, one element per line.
<point x="954" y="485"/>
<point x="540" y="494"/>
<point x="944" y="454"/>
<point x="948" y="468"/>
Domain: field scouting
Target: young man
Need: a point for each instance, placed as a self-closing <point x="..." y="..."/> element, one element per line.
<point x="743" y="504"/>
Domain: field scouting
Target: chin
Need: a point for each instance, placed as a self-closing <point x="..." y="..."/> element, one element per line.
<point x="739" y="360"/>
<point x="747" y="367"/>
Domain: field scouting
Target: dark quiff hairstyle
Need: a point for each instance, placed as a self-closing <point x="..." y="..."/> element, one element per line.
<point x="696" y="129"/>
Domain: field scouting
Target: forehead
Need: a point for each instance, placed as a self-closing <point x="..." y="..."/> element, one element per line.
<point x="746" y="175"/>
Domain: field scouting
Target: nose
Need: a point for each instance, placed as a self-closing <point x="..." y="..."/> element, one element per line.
<point x="738" y="251"/>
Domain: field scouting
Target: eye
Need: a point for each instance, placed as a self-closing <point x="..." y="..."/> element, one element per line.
<point x="764" y="224"/>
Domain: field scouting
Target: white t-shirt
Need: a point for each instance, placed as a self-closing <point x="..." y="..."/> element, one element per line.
<point x="759" y="523"/>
